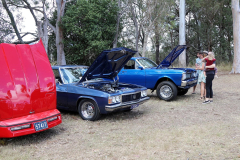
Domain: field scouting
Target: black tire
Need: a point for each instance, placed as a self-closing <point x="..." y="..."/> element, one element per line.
<point x="88" y="110"/>
<point x="182" y="91"/>
<point x="166" y="90"/>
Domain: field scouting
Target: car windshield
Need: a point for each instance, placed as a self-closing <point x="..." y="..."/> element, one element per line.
<point x="72" y="75"/>
<point x="147" y="63"/>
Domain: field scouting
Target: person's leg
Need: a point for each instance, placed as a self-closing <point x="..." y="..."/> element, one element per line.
<point x="211" y="91"/>
<point x="205" y="92"/>
<point x="194" y="88"/>
<point x="208" y="84"/>
<point x="202" y="89"/>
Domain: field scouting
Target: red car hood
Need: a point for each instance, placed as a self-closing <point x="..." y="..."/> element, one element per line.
<point x="27" y="81"/>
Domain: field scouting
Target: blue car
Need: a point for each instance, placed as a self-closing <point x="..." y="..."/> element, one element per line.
<point x="94" y="91"/>
<point x="168" y="82"/>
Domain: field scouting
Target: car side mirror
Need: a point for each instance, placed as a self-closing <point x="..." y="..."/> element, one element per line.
<point x="140" y="67"/>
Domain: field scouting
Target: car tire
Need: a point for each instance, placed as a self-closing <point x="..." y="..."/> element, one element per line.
<point x="166" y="90"/>
<point x="182" y="92"/>
<point x="88" y="110"/>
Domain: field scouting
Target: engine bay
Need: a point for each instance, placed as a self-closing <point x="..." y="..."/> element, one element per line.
<point x="107" y="86"/>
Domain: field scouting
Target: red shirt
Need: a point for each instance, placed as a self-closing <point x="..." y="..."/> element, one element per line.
<point x="209" y="63"/>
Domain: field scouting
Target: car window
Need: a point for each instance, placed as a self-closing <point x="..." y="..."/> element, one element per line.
<point x="147" y="63"/>
<point x="57" y="75"/>
<point x="130" y="65"/>
<point x="71" y="75"/>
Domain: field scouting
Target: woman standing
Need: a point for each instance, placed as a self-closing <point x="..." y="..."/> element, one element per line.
<point x="210" y="72"/>
<point x="201" y="77"/>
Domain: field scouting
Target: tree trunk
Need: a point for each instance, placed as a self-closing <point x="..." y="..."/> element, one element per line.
<point x="136" y="28"/>
<point x="41" y="26"/>
<point x="59" y="33"/>
<point x="157" y="44"/>
<point x="145" y="43"/>
<point x="118" y="21"/>
<point x="182" y="40"/>
<point x="12" y="21"/>
<point x="236" y="36"/>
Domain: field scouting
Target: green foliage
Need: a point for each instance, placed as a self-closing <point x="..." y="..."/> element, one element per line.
<point x="208" y="27"/>
<point x="89" y="27"/>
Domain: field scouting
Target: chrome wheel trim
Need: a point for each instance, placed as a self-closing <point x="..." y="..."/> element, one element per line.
<point x="166" y="91"/>
<point x="87" y="110"/>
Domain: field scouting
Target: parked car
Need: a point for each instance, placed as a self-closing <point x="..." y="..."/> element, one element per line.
<point x="94" y="91"/>
<point x="168" y="82"/>
<point x="27" y="90"/>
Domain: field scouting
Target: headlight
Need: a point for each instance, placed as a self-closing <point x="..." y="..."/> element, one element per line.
<point x="144" y="93"/>
<point x="184" y="76"/>
<point x="114" y="99"/>
<point x="118" y="99"/>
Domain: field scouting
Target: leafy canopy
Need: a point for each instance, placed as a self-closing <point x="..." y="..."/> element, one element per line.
<point x="89" y="27"/>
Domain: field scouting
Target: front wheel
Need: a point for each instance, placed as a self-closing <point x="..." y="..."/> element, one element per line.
<point x="166" y="90"/>
<point x="88" y="110"/>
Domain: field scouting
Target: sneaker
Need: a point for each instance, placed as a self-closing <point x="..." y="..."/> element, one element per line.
<point x="206" y="102"/>
<point x="211" y="101"/>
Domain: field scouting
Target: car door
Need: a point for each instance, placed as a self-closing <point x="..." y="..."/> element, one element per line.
<point x="62" y="91"/>
<point x="132" y="74"/>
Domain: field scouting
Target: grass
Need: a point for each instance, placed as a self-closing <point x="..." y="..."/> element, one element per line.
<point x="224" y="67"/>
<point x="181" y="129"/>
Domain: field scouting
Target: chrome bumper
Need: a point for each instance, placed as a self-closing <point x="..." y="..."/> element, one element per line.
<point x="110" y="108"/>
<point x="185" y="83"/>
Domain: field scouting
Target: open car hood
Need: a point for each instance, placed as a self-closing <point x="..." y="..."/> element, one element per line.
<point x="172" y="56"/>
<point x="108" y="64"/>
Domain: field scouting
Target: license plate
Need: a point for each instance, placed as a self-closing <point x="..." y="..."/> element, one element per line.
<point x="40" y="125"/>
<point x="134" y="106"/>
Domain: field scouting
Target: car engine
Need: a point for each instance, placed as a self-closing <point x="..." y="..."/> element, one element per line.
<point x="105" y="86"/>
<point x="108" y="86"/>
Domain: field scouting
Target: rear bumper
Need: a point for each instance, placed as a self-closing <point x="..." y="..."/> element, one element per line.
<point x="111" y="108"/>
<point x="5" y="126"/>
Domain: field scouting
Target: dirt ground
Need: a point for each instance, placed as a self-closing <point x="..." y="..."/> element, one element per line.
<point x="183" y="129"/>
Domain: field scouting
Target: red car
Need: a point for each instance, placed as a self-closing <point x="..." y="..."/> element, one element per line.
<point x="27" y="90"/>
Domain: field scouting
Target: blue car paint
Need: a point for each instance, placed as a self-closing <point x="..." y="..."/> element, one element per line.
<point x="70" y="94"/>
<point x="151" y="77"/>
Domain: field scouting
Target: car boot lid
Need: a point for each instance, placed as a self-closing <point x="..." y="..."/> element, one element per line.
<point x="172" y="56"/>
<point x="108" y="64"/>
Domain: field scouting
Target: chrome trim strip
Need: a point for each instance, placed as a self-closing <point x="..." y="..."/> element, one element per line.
<point x="131" y="93"/>
<point x="111" y="108"/>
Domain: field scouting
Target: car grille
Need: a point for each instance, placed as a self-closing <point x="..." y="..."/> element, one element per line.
<point x="131" y="97"/>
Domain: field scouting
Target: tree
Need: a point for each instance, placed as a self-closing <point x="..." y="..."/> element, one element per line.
<point x="89" y="27"/>
<point x="134" y="16"/>
<point x="12" y="20"/>
<point x="5" y="26"/>
<point x="182" y="39"/>
<point x="117" y="26"/>
<point x="42" y="22"/>
<point x="59" y="33"/>
<point x="43" y="27"/>
<point x="236" y="36"/>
